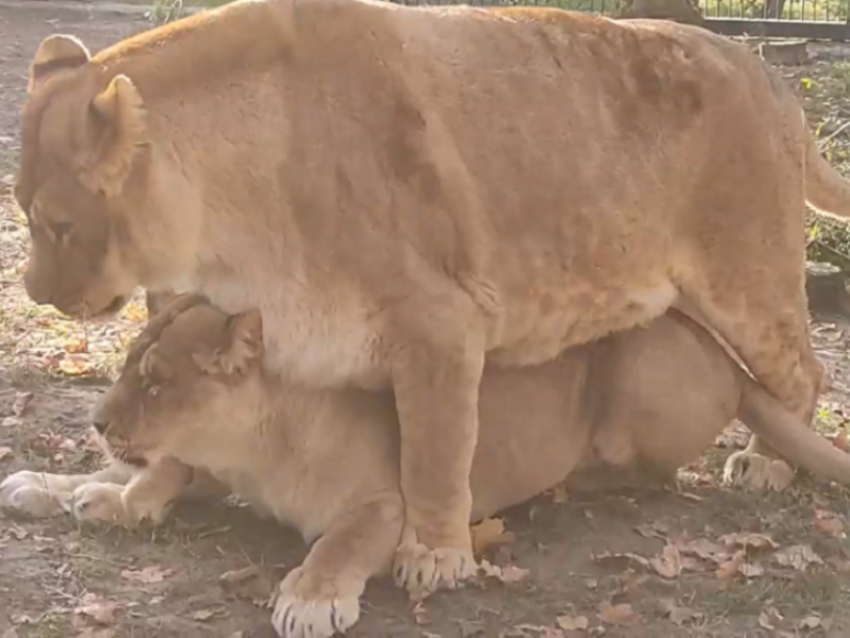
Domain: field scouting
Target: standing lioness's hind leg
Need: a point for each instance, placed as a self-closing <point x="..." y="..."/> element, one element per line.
<point x="764" y="320"/>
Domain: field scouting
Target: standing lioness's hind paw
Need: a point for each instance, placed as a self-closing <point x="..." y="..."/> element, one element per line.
<point x="422" y="571"/>
<point x="757" y="472"/>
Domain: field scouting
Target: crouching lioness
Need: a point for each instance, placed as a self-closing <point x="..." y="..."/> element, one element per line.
<point x="194" y="394"/>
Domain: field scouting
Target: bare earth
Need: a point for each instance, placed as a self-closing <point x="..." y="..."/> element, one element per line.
<point x="720" y="563"/>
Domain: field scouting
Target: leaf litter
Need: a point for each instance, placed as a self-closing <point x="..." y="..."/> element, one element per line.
<point x="95" y="609"/>
<point x="490" y="532"/>
<point x="800" y="557"/>
<point x="572" y="623"/>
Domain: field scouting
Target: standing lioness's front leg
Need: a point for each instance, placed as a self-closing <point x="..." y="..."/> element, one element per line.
<point x="436" y="377"/>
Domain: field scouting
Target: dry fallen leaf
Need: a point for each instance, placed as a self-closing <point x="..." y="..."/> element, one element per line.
<point x="810" y="622"/>
<point x="513" y="574"/>
<point x="135" y="313"/>
<point x="654" y="530"/>
<point x="489" y="533"/>
<point x="704" y="549"/>
<point x="727" y="569"/>
<point x="22" y="400"/>
<point x="203" y="614"/>
<point x="751" y="570"/>
<point x="5" y="452"/>
<point x="748" y="539"/>
<point x="95" y="608"/>
<point x="148" y="575"/>
<point x="622" y="559"/>
<point x="770" y="618"/>
<point x="616" y="614"/>
<point x="572" y="623"/>
<point x="76" y="346"/>
<point x="507" y="574"/>
<point x="797" y="556"/>
<point x="829" y="522"/>
<point x="75" y="364"/>
<point x="10" y="422"/>
<point x="527" y="631"/>
<point x="23" y="619"/>
<point x="470" y="628"/>
<point x="679" y="615"/>
<point x="421" y="615"/>
<point x="669" y="563"/>
<point x="253" y="583"/>
<point x="689" y="496"/>
<point x="19" y="533"/>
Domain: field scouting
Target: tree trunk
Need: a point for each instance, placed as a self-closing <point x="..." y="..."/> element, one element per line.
<point x="156" y="301"/>
<point x="827" y="291"/>
<point x="686" y="11"/>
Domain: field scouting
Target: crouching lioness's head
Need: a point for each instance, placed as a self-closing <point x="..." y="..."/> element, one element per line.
<point x="107" y="209"/>
<point x="192" y="370"/>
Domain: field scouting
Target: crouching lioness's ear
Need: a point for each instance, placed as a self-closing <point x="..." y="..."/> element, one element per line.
<point x="242" y="347"/>
<point x="119" y="122"/>
<point x="56" y="53"/>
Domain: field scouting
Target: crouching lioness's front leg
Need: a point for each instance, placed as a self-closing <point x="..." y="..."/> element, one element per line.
<point x="148" y="495"/>
<point x="42" y="495"/>
<point x="436" y="375"/>
<point x="322" y="597"/>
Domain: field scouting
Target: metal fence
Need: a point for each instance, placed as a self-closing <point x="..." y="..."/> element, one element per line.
<point x="822" y="19"/>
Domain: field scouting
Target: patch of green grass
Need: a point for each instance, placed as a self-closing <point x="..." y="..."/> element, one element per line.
<point x="51" y="625"/>
<point x="824" y="93"/>
<point x="798" y="594"/>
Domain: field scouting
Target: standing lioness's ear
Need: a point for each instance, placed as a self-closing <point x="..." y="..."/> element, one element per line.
<point x="119" y="117"/>
<point x="56" y="53"/>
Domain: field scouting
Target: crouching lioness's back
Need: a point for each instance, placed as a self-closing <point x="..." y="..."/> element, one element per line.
<point x="193" y="394"/>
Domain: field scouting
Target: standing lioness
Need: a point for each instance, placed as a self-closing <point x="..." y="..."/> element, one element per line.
<point x="193" y="396"/>
<point x="404" y="192"/>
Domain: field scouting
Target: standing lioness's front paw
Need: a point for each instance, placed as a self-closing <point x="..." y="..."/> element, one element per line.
<point x="305" y="607"/>
<point x="422" y="571"/>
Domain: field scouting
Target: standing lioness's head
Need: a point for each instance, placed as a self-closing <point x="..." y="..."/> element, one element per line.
<point x="193" y="373"/>
<point x="104" y="210"/>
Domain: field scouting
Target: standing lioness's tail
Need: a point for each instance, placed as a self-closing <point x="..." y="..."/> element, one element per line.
<point x="826" y="190"/>
<point x="789" y="436"/>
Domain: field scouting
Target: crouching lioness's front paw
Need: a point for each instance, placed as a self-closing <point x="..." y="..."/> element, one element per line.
<point x="307" y="607"/>
<point x="99" y="502"/>
<point x="33" y="494"/>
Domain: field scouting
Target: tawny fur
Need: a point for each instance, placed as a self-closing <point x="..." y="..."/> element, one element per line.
<point x="193" y="402"/>
<point x="404" y="192"/>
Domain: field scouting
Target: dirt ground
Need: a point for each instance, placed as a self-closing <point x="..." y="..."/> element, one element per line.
<point x="703" y="562"/>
